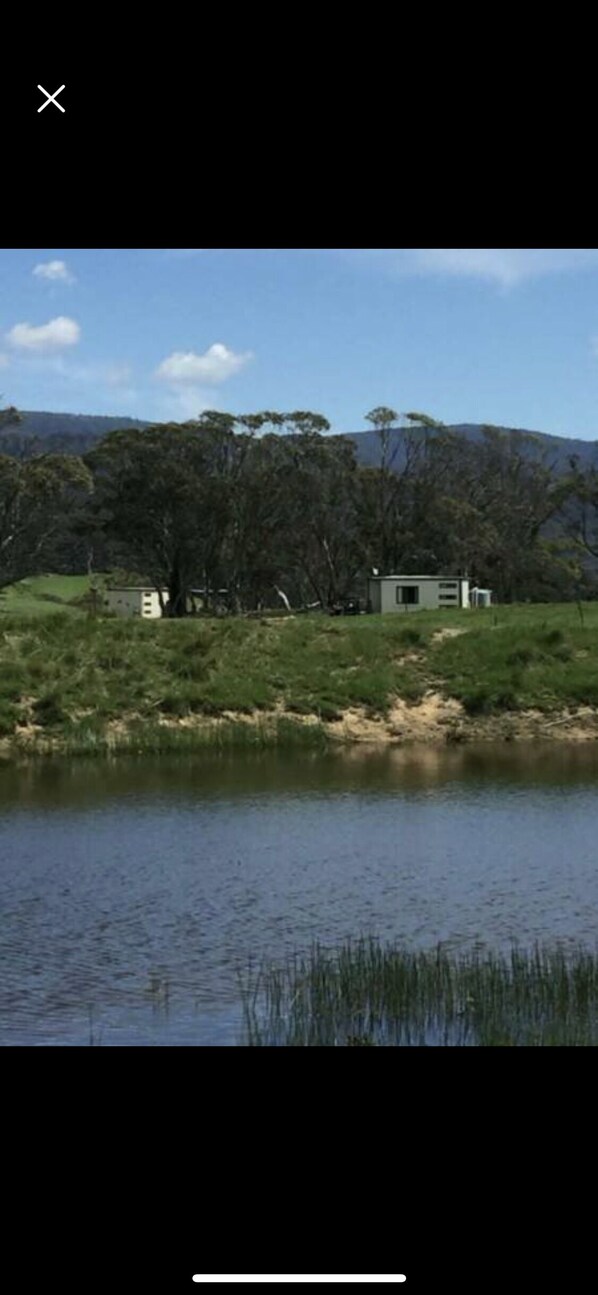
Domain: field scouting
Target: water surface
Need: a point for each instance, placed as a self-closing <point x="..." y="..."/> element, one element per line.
<point x="134" y="890"/>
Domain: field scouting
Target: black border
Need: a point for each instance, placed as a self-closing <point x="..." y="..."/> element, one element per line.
<point x="464" y="1171"/>
<point x="438" y="1164"/>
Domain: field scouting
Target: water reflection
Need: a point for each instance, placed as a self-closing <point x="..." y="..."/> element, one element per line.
<point x="60" y="783"/>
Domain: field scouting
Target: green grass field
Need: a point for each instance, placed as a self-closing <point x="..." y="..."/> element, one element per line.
<point x="43" y="595"/>
<point x="70" y="675"/>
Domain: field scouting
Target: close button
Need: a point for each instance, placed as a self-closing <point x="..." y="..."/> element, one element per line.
<point x="51" y="98"/>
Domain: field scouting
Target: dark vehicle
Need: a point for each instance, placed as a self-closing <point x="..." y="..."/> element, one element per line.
<point x="346" y="607"/>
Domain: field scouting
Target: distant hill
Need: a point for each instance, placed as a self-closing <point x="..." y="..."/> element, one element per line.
<point x="93" y="425"/>
<point x="61" y="433"/>
<point x="558" y="449"/>
<point x="76" y="433"/>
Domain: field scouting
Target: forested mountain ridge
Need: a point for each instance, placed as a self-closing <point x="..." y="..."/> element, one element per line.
<point x="559" y="449"/>
<point x="77" y="433"/>
<point x="61" y="433"/>
<point x="40" y="423"/>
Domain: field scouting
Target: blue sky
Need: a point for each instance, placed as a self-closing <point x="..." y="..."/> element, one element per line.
<point x="503" y="336"/>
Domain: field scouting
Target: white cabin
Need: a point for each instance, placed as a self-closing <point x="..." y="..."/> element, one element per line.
<point x="135" y="601"/>
<point x="417" y="593"/>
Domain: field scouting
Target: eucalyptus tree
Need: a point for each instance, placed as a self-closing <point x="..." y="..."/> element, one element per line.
<point x="321" y="541"/>
<point x="579" y="507"/>
<point x="392" y="491"/>
<point x="38" y="497"/>
<point x="485" y="506"/>
<point x="9" y="416"/>
<point x="298" y="422"/>
<point x="162" y="502"/>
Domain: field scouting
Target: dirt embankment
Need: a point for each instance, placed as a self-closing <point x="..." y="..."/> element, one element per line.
<point x="435" y="720"/>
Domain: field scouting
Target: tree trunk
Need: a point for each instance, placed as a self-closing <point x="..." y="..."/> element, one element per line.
<point x="177" y="595"/>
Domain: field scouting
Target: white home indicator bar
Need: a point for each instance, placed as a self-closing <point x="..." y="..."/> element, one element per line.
<point x="398" y="1277"/>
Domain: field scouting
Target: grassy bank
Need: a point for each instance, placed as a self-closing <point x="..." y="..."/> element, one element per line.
<point x="370" y="995"/>
<point x="43" y="596"/>
<point x="78" y="684"/>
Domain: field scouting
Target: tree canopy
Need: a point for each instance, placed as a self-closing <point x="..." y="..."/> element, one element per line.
<point x="255" y="508"/>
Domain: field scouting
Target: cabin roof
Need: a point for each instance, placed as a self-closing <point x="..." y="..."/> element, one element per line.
<point x="410" y="577"/>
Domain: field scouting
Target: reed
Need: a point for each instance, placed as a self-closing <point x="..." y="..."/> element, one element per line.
<point x="151" y="738"/>
<point x="365" y="993"/>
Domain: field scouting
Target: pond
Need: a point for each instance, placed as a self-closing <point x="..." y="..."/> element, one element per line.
<point x="134" y="891"/>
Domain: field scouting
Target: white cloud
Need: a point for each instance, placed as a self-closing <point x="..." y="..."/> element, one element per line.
<point x="53" y="336"/>
<point x="214" y="366"/>
<point x="55" y="271"/>
<point x="504" y="266"/>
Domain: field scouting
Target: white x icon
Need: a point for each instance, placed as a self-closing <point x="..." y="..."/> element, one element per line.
<point x="50" y="98"/>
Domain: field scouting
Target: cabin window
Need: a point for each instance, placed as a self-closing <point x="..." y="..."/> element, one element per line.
<point x="407" y="594"/>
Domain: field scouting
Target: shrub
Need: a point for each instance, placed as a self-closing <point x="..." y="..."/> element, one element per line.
<point x="505" y="699"/>
<point x="521" y="656"/>
<point x="328" y="712"/>
<point x="48" y="711"/>
<point x="477" y="702"/>
<point x="410" y="637"/>
<point x="172" y="705"/>
<point x="8" y="718"/>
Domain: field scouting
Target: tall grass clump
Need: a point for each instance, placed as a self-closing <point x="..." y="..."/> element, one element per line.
<point x="375" y="995"/>
<point x="89" y="737"/>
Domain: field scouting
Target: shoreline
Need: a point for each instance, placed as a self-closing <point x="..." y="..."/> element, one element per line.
<point x="97" y="687"/>
<point x="434" y="721"/>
